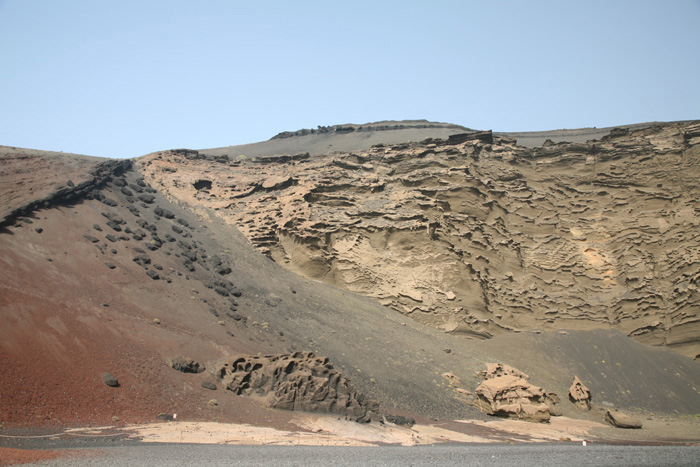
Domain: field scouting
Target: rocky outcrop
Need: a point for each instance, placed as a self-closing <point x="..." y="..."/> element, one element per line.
<point x="92" y="176"/>
<point x="512" y="397"/>
<point x="620" y="420"/>
<point x="507" y="393"/>
<point x="580" y="395"/>
<point x="379" y="126"/>
<point x="298" y="381"/>
<point x="479" y="238"/>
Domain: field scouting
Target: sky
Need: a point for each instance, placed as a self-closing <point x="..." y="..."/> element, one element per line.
<point x="125" y="78"/>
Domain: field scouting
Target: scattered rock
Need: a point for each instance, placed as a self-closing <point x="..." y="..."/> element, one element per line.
<point x="109" y="202"/>
<point x="158" y="211"/>
<point x="146" y="198"/>
<point x="38" y="230"/>
<point x="399" y="420"/>
<point x="153" y="275"/>
<point x="209" y="385"/>
<point x="110" y="380"/>
<point x="620" y="420"/>
<point x="114" y="226"/>
<point x="90" y="238"/>
<point x="186" y="365"/>
<point x="110" y="265"/>
<point x="142" y="259"/>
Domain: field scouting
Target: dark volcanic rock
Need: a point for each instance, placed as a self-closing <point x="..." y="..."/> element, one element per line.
<point x="399" y="420"/>
<point x="298" y="381"/>
<point x="110" y="380"/>
<point x="163" y="213"/>
<point x="90" y="238"/>
<point x="114" y="226"/>
<point x="153" y="275"/>
<point x="209" y="385"/>
<point x="109" y="202"/>
<point x="142" y="259"/>
<point x="186" y="365"/>
<point x="146" y="198"/>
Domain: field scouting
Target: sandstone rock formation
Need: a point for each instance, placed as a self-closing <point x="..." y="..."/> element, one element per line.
<point x="507" y="393"/>
<point x="298" y="381"/>
<point x="620" y="420"/>
<point x="580" y="395"/>
<point x="480" y="238"/>
<point x="512" y="397"/>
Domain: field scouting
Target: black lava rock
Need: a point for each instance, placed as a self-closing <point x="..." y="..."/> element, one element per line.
<point x="110" y="380"/>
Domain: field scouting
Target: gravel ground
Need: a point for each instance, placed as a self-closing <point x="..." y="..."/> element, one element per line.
<point x="307" y="456"/>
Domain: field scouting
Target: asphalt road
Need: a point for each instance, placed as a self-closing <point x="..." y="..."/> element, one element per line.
<point x="307" y="456"/>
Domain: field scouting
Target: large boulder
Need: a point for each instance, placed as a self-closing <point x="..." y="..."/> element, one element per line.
<point x="580" y="395"/>
<point x="298" y="381"/>
<point x="512" y="397"/>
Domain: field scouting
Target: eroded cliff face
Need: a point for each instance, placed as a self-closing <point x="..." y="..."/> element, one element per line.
<point x="480" y="236"/>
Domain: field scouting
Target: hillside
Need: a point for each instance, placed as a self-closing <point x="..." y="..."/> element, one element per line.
<point x="387" y="261"/>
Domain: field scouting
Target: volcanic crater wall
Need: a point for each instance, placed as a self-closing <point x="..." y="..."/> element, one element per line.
<point x="477" y="237"/>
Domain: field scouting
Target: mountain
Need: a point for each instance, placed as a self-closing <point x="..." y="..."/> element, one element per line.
<point x="400" y="262"/>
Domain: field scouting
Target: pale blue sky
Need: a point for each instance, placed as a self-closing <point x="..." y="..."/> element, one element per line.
<point x="123" y="78"/>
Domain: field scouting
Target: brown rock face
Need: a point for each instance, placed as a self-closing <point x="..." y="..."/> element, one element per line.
<point x="477" y="237"/>
<point x="512" y="397"/>
<point x="580" y="395"/>
<point x="299" y="381"/>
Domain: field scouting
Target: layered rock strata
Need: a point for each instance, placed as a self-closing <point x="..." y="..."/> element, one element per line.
<point x="480" y="238"/>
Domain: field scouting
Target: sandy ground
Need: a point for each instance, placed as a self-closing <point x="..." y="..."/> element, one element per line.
<point x="328" y="430"/>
